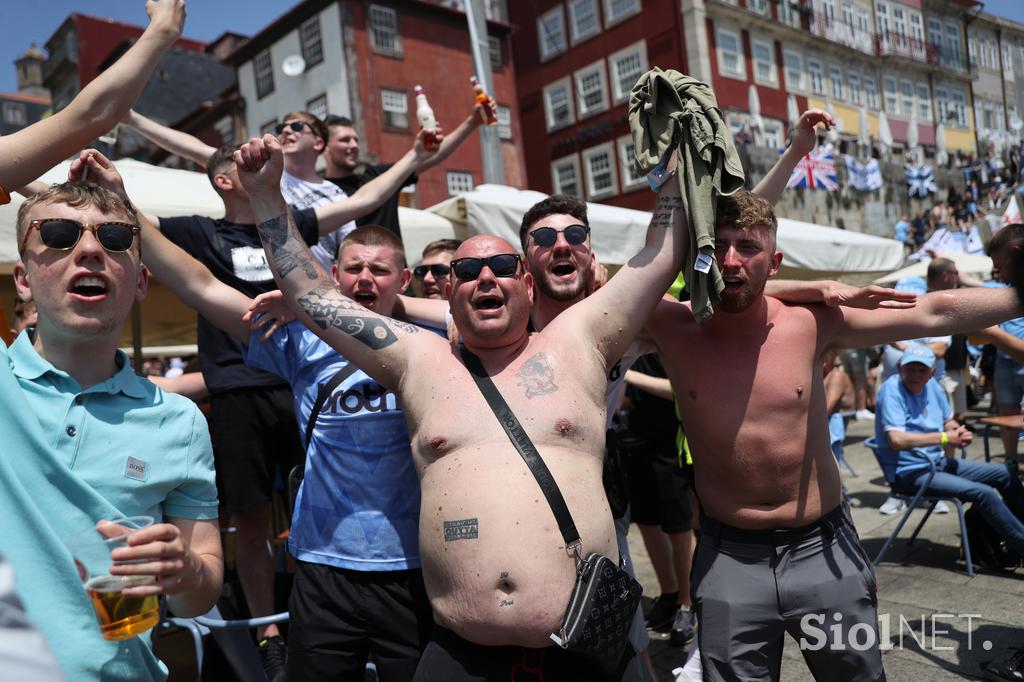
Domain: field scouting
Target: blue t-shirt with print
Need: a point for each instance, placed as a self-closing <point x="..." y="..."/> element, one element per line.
<point x="358" y="506"/>
<point x="901" y="410"/>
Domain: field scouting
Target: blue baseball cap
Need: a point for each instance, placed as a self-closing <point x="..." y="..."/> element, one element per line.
<point x="918" y="353"/>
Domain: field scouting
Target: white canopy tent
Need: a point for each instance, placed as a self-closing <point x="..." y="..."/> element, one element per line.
<point x="810" y="251"/>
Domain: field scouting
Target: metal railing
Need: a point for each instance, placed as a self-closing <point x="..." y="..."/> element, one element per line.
<point x="842" y="32"/>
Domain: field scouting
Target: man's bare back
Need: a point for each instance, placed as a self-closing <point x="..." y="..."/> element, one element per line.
<point x="753" y="406"/>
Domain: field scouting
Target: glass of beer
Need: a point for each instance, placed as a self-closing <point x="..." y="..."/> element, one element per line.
<point x="120" y="616"/>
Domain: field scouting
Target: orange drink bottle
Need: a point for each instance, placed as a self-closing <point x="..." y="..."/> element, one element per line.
<point x="487" y="113"/>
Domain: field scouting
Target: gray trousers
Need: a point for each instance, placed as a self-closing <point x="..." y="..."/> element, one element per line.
<point x="750" y="588"/>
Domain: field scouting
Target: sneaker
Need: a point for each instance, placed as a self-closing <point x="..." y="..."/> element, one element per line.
<point x="892" y="506"/>
<point x="864" y="415"/>
<point x="941" y="507"/>
<point x="663" y="611"/>
<point x="1010" y="669"/>
<point x="274" y="654"/>
<point x="683" y="627"/>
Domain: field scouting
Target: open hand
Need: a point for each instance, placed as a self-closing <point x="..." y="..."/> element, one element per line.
<point x="269" y="310"/>
<point x="869" y="297"/>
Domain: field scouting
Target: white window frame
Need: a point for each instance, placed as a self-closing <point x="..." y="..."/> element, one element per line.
<point x="853" y="88"/>
<point x="773" y="68"/>
<point x="578" y="77"/>
<point x="504" y="124"/>
<point x="871" y="92"/>
<point x="311" y="41"/>
<point x="916" y="27"/>
<point x="586" y="155"/>
<point x="548" y="89"/>
<point x="907" y="99"/>
<point x="572" y="160"/>
<point x="629" y="183"/>
<point x="263" y="71"/>
<point x="318" y="106"/>
<point x="891" y="96"/>
<point x="496" y="52"/>
<point x="547" y="52"/>
<point x="1007" y="63"/>
<point x="15" y="113"/>
<point x="575" y="36"/>
<point x="924" y="101"/>
<point x="456" y="182"/>
<point x="934" y="32"/>
<point x="638" y="48"/>
<point x="958" y="101"/>
<point x="740" y="73"/>
<point x="773" y="135"/>
<point x="816" y="77"/>
<point x="397" y="105"/>
<point x="793" y="70"/>
<point x="759" y="7"/>
<point x="837" y="88"/>
<point x="611" y="17"/>
<point x="385" y="36"/>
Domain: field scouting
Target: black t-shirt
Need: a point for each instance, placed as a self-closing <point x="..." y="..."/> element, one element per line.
<point x="387" y="214"/>
<point x="651" y="416"/>
<point x="234" y="254"/>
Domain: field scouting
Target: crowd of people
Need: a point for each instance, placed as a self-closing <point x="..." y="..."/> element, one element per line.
<point x="437" y="437"/>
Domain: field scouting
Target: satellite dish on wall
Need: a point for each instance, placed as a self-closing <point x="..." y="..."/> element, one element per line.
<point x="293" y="65"/>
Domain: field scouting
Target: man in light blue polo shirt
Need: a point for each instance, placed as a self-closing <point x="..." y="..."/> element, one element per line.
<point x="915" y="426"/>
<point x="85" y="439"/>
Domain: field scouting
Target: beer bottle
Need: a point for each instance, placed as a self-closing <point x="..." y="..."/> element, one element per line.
<point x="487" y="110"/>
<point x="426" y="118"/>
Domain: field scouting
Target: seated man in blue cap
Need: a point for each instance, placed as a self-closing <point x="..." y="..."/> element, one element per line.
<point x="915" y="424"/>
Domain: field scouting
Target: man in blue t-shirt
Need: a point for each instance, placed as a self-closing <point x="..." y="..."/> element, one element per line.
<point x="915" y="427"/>
<point x="358" y="588"/>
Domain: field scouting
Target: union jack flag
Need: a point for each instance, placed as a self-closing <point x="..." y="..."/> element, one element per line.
<point x="817" y="170"/>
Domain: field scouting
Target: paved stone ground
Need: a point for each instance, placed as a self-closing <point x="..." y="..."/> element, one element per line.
<point x="925" y="579"/>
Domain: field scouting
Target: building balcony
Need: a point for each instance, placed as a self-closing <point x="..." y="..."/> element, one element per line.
<point x="838" y="31"/>
<point x="891" y="44"/>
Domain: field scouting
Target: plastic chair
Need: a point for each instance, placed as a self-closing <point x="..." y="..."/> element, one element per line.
<point x="912" y="502"/>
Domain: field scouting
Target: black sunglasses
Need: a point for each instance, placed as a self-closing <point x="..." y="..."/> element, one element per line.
<point x="438" y="270"/>
<point x="62" y="234"/>
<point x="547" y="236"/>
<point x="502" y="265"/>
<point x="294" y="126"/>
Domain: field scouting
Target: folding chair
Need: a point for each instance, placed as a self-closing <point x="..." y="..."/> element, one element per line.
<point x="912" y="502"/>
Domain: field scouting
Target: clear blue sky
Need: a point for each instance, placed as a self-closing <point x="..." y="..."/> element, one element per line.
<point x="21" y="23"/>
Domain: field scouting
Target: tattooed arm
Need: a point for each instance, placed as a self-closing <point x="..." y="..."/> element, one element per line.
<point x="612" y="317"/>
<point x="375" y="343"/>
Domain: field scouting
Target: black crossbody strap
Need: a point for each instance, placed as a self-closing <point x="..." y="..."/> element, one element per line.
<point x="323" y="392"/>
<point x="517" y="434"/>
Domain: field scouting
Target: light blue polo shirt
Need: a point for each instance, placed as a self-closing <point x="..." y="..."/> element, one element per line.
<point x="901" y="410"/>
<point x="43" y="499"/>
<point x="146" y="451"/>
<point x="359" y="504"/>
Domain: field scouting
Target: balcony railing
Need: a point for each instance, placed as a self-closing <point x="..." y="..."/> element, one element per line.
<point x="892" y="44"/>
<point x="845" y="33"/>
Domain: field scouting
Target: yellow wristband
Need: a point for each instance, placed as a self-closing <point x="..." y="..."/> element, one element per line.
<point x="945" y="438"/>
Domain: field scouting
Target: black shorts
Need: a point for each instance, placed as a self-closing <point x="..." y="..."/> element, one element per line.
<point x="253" y="430"/>
<point x="449" y="658"/>
<point x="339" y="618"/>
<point x="660" y="491"/>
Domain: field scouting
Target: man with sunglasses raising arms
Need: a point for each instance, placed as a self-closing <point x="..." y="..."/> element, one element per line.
<point x="108" y="444"/>
<point x="495" y="565"/>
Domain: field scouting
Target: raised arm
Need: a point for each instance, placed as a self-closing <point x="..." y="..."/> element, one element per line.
<point x="187" y="278"/>
<point x="374" y="193"/>
<point x="612" y="317"/>
<point x="376" y="344"/>
<point x="28" y="153"/>
<point x="456" y="137"/>
<point x="936" y="314"/>
<point x="804" y="139"/>
<point x="835" y="293"/>
<point x="174" y="141"/>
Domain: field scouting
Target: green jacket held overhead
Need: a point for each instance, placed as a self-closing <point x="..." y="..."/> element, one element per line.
<point x="668" y="110"/>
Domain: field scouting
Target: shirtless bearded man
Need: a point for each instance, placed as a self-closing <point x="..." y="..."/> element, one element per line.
<point x="777" y="549"/>
<point x="494" y="563"/>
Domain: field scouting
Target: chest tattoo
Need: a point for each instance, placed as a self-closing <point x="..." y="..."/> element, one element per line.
<point x="537" y="375"/>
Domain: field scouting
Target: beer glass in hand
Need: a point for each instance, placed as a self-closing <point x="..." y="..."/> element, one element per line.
<point x="120" y="615"/>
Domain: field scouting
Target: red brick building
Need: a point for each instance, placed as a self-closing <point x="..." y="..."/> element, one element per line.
<point x="576" y="62"/>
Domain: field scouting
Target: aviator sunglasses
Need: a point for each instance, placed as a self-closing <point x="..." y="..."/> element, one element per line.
<point x="502" y="265"/>
<point x="438" y="270"/>
<point x="294" y="126"/>
<point x="62" y="234"/>
<point x="547" y="236"/>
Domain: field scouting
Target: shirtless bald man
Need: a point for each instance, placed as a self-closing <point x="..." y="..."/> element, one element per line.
<point x="778" y="550"/>
<point x="494" y="563"/>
